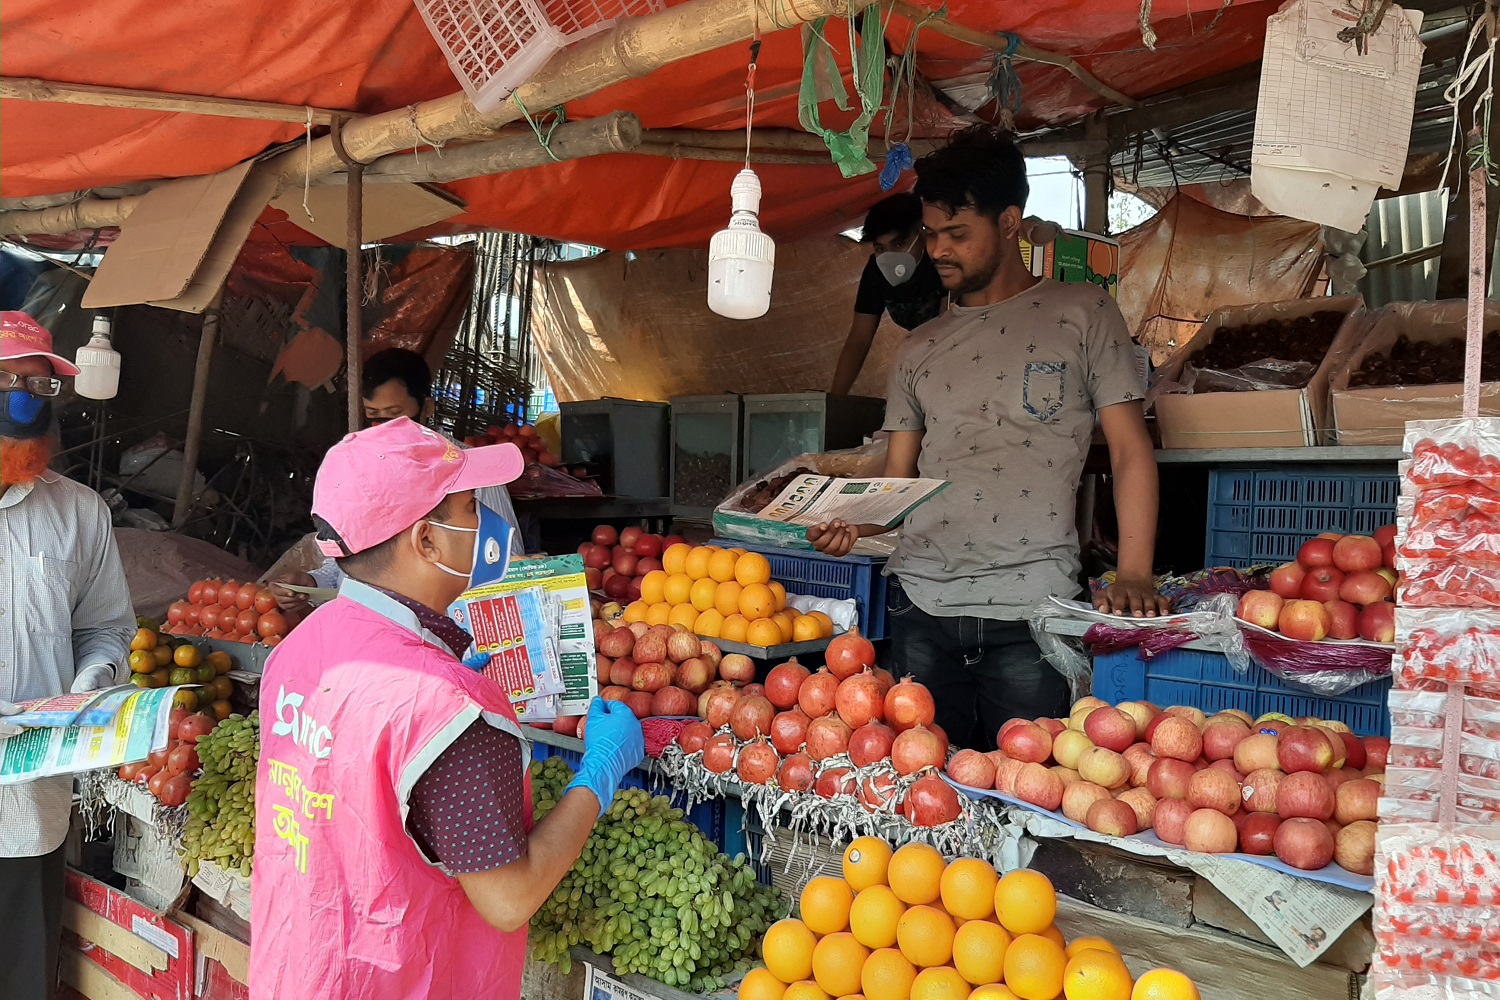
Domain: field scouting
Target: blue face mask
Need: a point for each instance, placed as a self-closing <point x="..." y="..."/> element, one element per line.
<point x="25" y="415"/>
<point x="491" y="549"/>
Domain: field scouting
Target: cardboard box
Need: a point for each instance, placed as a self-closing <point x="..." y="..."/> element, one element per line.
<point x="1077" y="257"/>
<point x="1266" y="418"/>
<point x="1378" y="416"/>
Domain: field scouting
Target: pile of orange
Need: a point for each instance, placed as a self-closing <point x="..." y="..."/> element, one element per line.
<point x="908" y="925"/>
<point x="723" y="593"/>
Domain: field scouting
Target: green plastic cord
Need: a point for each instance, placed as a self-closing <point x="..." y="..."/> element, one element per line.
<point x="820" y="72"/>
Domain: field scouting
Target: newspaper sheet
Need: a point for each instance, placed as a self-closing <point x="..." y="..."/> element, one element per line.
<point x="92" y="708"/>
<point x="139" y="728"/>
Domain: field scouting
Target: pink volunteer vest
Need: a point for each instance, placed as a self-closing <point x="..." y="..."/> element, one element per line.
<point x="355" y="705"/>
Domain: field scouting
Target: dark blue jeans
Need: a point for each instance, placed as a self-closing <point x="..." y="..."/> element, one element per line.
<point x="980" y="671"/>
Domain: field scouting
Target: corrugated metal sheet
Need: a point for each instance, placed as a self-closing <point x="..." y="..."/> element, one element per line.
<point x="1397" y="226"/>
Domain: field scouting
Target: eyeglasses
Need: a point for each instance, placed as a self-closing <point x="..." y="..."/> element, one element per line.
<point x="37" y="385"/>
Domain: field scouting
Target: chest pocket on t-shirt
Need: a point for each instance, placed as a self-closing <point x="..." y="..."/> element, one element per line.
<point x="1042" y="389"/>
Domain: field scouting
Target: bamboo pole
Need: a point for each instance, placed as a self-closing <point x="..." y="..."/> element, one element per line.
<point x="354" y="283"/>
<point x="938" y="21"/>
<point x="198" y="403"/>
<point x="616" y="132"/>
<point x="18" y="88"/>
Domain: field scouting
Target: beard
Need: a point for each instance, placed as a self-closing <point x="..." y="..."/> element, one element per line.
<point x="22" y="461"/>
<point x="961" y="280"/>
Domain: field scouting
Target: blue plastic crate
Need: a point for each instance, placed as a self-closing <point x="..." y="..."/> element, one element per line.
<point x="1258" y="517"/>
<point x="817" y="575"/>
<point x="707" y="816"/>
<point x="1209" y="682"/>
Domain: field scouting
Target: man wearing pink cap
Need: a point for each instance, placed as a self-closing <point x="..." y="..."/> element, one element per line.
<point x="65" y="621"/>
<point x="394" y="852"/>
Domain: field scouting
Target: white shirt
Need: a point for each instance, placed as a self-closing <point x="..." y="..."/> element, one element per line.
<point x="64" y="606"/>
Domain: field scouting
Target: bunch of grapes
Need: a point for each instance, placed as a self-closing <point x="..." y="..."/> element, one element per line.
<point x="652" y="892"/>
<point x="221" y="806"/>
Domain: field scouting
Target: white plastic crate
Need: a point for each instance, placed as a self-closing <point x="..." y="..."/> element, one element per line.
<point x="494" y="46"/>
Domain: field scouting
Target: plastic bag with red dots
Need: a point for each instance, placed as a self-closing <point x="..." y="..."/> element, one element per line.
<point x="1454" y="452"/>
<point x="1451" y="646"/>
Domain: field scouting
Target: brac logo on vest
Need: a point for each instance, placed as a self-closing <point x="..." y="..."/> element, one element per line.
<point x="305" y="731"/>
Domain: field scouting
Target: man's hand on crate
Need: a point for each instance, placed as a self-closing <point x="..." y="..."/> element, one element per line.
<point x="1133" y="599"/>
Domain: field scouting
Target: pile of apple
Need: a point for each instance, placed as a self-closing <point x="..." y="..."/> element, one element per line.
<point x="1304" y="790"/>
<point x="523" y="436"/>
<point x="615" y="562"/>
<point x="1340" y="587"/>
<point x="660" y="670"/>
<point x="168" y="772"/>
<point x="847" y="729"/>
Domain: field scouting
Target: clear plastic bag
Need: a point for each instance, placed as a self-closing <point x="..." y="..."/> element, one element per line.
<point x="1452" y="646"/>
<point x="1268" y="373"/>
<point x="538" y="480"/>
<point x="1446" y="584"/>
<point x="1454" y="452"/>
<point x="1326" y="668"/>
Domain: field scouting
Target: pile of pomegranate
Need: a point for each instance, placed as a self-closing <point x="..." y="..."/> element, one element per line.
<point x="1304" y="790"/>
<point x="847" y="729"/>
<point x="233" y="611"/>
<point x="1340" y="587"/>
<point x="615" y="562"/>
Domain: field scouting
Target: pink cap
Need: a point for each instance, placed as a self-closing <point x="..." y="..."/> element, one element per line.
<point x="23" y="337"/>
<point x="376" y="483"/>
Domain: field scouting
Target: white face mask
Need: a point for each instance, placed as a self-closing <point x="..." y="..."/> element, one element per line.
<point x="491" y="549"/>
<point x="897" y="266"/>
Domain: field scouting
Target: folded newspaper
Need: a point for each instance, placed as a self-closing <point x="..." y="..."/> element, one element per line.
<point x="138" y="726"/>
<point x="810" y="499"/>
<point x="93" y="708"/>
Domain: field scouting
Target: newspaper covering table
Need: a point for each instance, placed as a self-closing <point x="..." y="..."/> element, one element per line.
<point x="811" y="499"/>
<point x="139" y="728"/>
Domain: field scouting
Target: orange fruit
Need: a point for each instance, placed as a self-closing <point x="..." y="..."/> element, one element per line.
<point x="759" y="984"/>
<point x="142" y="662"/>
<point x="757" y="601"/>
<point x="1025" y="902"/>
<point x="1034" y="967"/>
<point x="659" y="614"/>
<point x="696" y="563"/>
<point x="865" y="863"/>
<point x="1090" y="943"/>
<point x="995" y="992"/>
<point x="677" y="590"/>
<point x="837" y="962"/>
<point x="942" y="983"/>
<point x="915" y="873"/>
<point x="787" y="948"/>
<point x="222" y="709"/>
<point x="734" y="628"/>
<point x="144" y="638"/>
<point x="925" y="935"/>
<point x="824" y="622"/>
<point x="805" y="989"/>
<point x="674" y="559"/>
<point x="784" y="620"/>
<point x="779" y="592"/>
<point x="163" y="656"/>
<point x="1165" y="984"/>
<point x="1096" y="975"/>
<point x="968" y="888"/>
<point x="806" y="628"/>
<point x="752" y="567"/>
<point x="683" y="614"/>
<point x="701" y="594"/>
<point x="979" y="952"/>
<point x="887" y="975"/>
<point x="636" y="611"/>
<point x="763" y="632"/>
<point x="727" y="597"/>
<point x="187" y="655"/>
<point x="874" y="916"/>
<point x="721" y="565"/>
<point x="1053" y="934"/>
<point x="654" y="587"/>
<point x="825" y="905"/>
<point x="185" y="699"/>
<point x="709" y="624"/>
<point x="222" y="662"/>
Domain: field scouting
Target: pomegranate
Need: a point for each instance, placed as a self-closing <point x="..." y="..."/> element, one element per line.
<point x="784" y="681"/>
<point x="695" y="736"/>
<point x="876" y="793"/>
<point x="835" y="781"/>
<point x="717" y="704"/>
<point x="796" y="774"/>
<point x="827" y="737"/>
<point x="738" y="668"/>
<point x="886" y="680"/>
<point x="871" y="743"/>
<point x="858" y="700"/>
<point x="758" y="763"/>
<point x="818" y="695"/>
<point x="931" y="801"/>
<point x="652" y="677"/>
<point x="672" y="702"/>
<point x="909" y="704"/>
<point x="718" y="754"/>
<point x="789" y="731"/>
<point x="849" y="654"/>
<point x="753" y="691"/>
<point x="1304" y="843"/>
<point x="916" y="748"/>
<point x="972" y="768"/>
<point x="695" y="674"/>
<point x="751" y="717"/>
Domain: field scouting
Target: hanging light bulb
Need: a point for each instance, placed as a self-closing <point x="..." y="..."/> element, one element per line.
<point x="98" y="364"/>
<point x="741" y="258"/>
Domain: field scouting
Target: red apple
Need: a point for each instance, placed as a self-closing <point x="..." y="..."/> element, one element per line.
<point x="1110" y="728"/>
<point x="1343" y="620"/>
<point x="1315" y="553"/>
<point x="1305" y="620"/>
<point x="1177" y="738"/>
<point x="1303" y="748"/>
<point x="1355" y="553"/>
<point x="1385" y="534"/>
<point x="1364" y="587"/>
<point x="1354" y="750"/>
<point x="1221" y="736"/>
<point x="1259" y="607"/>
<point x="1377" y="623"/>
<point x="1388" y="555"/>
<point x="1377" y="750"/>
<point x="1286" y="581"/>
<point x="1389" y="576"/>
<point x="1322" y="584"/>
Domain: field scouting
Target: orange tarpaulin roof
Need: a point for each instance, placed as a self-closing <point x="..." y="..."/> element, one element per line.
<point x="377" y="55"/>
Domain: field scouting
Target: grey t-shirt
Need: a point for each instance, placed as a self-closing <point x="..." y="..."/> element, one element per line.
<point x="1007" y="396"/>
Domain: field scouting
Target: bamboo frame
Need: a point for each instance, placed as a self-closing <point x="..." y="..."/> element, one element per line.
<point x="19" y="88"/>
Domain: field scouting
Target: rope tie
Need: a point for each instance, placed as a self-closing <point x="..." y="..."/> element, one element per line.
<point x="422" y="139"/>
<point x="1004" y="82"/>
<point x="559" y="116"/>
<point x="307" y="165"/>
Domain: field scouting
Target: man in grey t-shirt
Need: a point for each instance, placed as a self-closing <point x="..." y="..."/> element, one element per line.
<point x="999" y="397"/>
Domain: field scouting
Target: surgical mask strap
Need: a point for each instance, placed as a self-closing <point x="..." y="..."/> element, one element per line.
<point x="454" y="527"/>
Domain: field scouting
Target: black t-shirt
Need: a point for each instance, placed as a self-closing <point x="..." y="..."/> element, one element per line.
<point x="910" y="304"/>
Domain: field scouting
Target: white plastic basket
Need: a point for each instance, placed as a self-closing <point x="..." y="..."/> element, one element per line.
<point x="494" y="46"/>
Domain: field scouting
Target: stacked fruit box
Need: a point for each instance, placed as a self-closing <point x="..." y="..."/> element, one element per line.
<point x="1437" y="869"/>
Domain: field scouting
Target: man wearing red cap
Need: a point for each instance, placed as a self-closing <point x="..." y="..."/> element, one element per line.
<point x="65" y="621"/>
<point x="394" y="852"/>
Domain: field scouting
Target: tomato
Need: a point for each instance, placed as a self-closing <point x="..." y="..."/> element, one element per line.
<point x="183" y="760"/>
<point x="195" y="726"/>
<point x="175" y="792"/>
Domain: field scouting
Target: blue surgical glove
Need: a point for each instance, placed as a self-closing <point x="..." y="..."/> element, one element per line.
<point x="613" y="746"/>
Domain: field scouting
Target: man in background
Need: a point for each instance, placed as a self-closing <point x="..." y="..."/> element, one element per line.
<point x="65" y="622"/>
